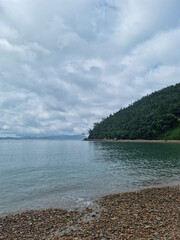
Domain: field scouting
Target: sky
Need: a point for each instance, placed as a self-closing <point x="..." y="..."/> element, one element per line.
<point x="65" y="65"/>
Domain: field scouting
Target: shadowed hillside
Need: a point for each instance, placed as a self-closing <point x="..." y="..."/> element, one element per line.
<point x="156" y="116"/>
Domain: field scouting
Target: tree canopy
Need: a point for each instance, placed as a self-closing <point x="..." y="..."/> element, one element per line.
<point x="155" y="116"/>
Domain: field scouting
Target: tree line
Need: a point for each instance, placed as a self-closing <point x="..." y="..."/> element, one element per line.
<point x="151" y="117"/>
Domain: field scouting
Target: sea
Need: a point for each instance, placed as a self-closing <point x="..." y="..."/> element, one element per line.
<point x="70" y="174"/>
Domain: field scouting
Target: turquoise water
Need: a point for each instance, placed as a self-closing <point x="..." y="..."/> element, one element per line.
<point x="68" y="174"/>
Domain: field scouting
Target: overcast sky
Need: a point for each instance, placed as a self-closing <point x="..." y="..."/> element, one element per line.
<point x="66" y="64"/>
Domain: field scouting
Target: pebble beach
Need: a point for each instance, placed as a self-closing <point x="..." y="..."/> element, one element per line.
<point x="145" y="214"/>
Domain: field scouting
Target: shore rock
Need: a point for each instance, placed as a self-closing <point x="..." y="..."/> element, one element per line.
<point x="147" y="214"/>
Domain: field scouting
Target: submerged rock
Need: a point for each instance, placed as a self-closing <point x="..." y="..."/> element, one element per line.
<point x="146" y="214"/>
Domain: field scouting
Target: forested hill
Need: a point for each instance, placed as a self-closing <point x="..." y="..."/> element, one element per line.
<point x="156" y="116"/>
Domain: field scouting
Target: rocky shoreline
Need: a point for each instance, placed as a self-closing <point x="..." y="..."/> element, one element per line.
<point x="129" y="140"/>
<point x="145" y="214"/>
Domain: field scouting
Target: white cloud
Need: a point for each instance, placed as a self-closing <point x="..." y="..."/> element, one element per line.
<point x="66" y="64"/>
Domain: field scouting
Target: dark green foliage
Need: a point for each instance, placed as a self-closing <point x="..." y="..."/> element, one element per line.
<point x="148" y="118"/>
<point x="172" y="134"/>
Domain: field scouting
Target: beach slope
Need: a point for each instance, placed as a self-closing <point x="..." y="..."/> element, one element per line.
<point x="145" y="214"/>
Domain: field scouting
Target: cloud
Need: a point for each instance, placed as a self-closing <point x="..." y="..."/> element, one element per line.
<point x="65" y="65"/>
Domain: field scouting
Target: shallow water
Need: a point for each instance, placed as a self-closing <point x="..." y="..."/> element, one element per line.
<point x="68" y="174"/>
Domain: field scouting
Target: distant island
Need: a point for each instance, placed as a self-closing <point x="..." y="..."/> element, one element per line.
<point x="58" y="137"/>
<point x="153" y="117"/>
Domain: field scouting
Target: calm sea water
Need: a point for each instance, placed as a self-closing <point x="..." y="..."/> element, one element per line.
<point x="66" y="174"/>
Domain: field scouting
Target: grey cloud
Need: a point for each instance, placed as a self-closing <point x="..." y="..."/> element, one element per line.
<point x="67" y="64"/>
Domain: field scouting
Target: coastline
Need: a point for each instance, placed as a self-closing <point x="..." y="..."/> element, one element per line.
<point x="144" y="214"/>
<point x="131" y="141"/>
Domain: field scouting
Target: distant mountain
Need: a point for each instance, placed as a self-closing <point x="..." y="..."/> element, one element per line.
<point x="60" y="137"/>
<point x="156" y="116"/>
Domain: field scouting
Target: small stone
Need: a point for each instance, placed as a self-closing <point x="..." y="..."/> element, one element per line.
<point x="101" y="235"/>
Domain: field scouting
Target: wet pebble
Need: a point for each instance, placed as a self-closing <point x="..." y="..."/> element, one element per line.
<point x="147" y="214"/>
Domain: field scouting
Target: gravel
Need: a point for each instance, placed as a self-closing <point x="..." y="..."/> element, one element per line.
<point x="146" y="214"/>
